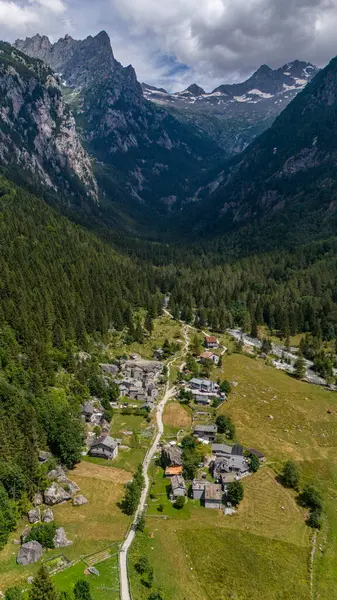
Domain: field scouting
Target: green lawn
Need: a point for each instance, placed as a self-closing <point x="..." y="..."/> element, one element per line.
<point x="102" y="587"/>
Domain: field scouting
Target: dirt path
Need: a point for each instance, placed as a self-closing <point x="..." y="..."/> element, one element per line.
<point x="125" y="593"/>
<point x="312" y="558"/>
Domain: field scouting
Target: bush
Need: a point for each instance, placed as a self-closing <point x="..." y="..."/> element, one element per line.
<point x="311" y="498"/>
<point x="315" y="519"/>
<point x="142" y="565"/>
<point x="225" y="387"/>
<point x="254" y="464"/>
<point x="161" y="508"/>
<point x="180" y="502"/>
<point x="290" y="475"/>
<point x="43" y="533"/>
<point x="235" y="492"/>
<point x="225" y="425"/>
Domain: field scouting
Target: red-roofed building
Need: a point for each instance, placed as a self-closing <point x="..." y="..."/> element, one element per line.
<point x="211" y="341"/>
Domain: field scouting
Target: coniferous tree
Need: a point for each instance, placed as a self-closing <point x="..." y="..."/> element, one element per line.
<point x="42" y="586"/>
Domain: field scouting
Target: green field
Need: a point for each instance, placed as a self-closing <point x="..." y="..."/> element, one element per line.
<point x="102" y="587"/>
<point x="263" y="551"/>
<point x="164" y="328"/>
<point x="92" y="527"/>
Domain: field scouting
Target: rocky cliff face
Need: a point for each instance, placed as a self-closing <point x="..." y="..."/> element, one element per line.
<point x="151" y="154"/>
<point x="234" y="114"/>
<point x="37" y="130"/>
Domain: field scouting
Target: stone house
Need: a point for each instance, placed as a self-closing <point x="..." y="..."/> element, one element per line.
<point x="105" y="447"/>
<point x="213" y="495"/>
<point x="206" y="432"/>
<point x="202" y="399"/>
<point x="178" y="486"/>
<point x="257" y="453"/>
<point x="198" y="488"/>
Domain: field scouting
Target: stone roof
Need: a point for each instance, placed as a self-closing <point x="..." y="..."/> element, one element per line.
<point x="221" y="449"/>
<point x="88" y="408"/>
<point x="107" y="441"/>
<point x="199" y="484"/>
<point x="178" y="482"/>
<point x="213" y="491"/>
<point x="256" y="453"/>
<point x="237" y="450"/>
<point x="206" y="428"/>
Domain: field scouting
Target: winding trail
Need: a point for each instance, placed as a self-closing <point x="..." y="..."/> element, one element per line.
<point x="125" y="593"/>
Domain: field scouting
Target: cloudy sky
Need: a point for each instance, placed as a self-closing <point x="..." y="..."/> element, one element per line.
<point x="173" y="43"/>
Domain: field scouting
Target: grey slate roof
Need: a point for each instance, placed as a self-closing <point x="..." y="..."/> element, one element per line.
<point x="108" y="442"/>
<point x="206" y="428"/>
<point x="213" y="491"/>
<point x="178" y="482"/>
<point x="221" y="449"/>
<point x="237" y="450"/>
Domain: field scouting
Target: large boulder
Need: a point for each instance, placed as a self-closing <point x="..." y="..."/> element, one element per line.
<point x="55" y="473"/>
<point x="68" y="485"/>
<point x="79" y="501"/>
<point x="34" y="515"/>
<point x="29" y="553"/>
<point x="47" y="516"/>
<point x="38" y="500"/>
<point x="60" y="538"/>
<point x="56" y="494"/>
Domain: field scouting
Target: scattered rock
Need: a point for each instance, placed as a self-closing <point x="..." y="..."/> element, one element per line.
<point x="16" y="542"/>
<point x="56" y="494"/>
<point x="44" y="456"/>
<point x="30" y="579"/>
<point x="270" y="417"/>
<point x="79" y="501"/>
<point x="29" y="553"/>
<point x="34" y="515"/>
<point x="38" y="500"/>
<point x="93" y="571"/>
<point x="69" y="486"/>
<point x="60" y="538"/>
<point x="47" y="516"/>
<point x="25" y="533"/>
<point x="55" y="473"/>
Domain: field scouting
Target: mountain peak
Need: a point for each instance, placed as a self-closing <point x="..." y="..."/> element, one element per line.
<point x="196" y="90"/>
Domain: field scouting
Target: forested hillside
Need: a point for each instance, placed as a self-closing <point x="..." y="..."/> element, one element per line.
<point x="60" y="287"/>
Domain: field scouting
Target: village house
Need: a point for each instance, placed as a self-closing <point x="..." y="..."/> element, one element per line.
<point x="257" y="453"/>
<point x="213" y="495"/>
<point x="202" y="399"/>
<point x="198" y="489"/>
<point x="178" y="487"/>
<point x="228" y="459"/>
<point x="211" y="341"/>
<point x="209" y="356"/>
<point x="148" y="404"/>
<point x="206" y="432"/>
<point x="171" y="456"/>
<point x="105" y="447"/>
<point x="204" y="385"/>
<point x="152" y="390"/>
<point x="171" y="471"/>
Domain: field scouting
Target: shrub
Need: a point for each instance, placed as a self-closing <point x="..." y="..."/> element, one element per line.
<point x="290" y="475"/>
<point x="43" y="533"/>
<point x="180" y="502"/>
<point x="235" y="492"/>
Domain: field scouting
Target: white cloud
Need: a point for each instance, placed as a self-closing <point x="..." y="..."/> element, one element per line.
<point x="55" y="6"/>
<point x="220" y="40"/>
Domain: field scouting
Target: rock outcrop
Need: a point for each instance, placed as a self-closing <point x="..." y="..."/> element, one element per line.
<point x="34" y="515"/>
<point x="55" y="494"/>
<point x="47" y="516"/>
<point x="29" y="553"/>
<point x="60" y="539"/>
<point x="79" y="501"/>
<point x="38" y="500"/>
<point x="37" y="130"/>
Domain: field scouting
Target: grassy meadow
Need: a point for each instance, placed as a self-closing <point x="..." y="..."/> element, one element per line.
<point x="262" y="551"/>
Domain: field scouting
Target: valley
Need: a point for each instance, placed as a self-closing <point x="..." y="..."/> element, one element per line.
<point x="168" y="330"/>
